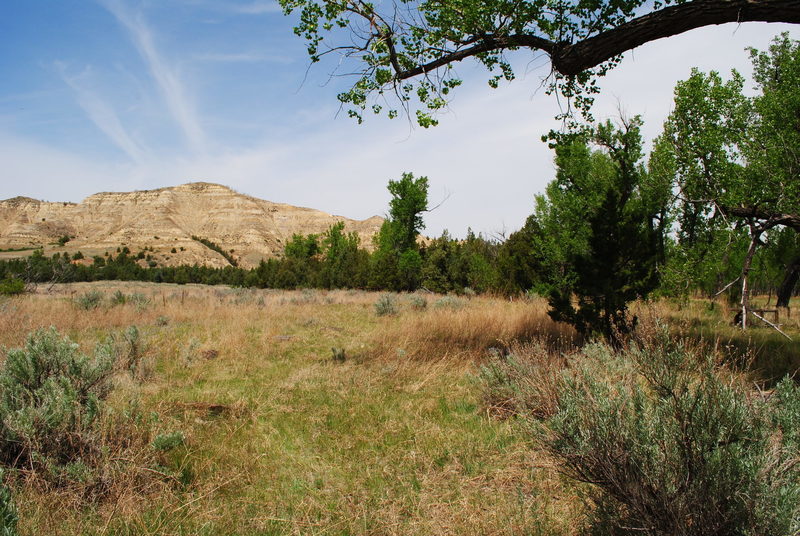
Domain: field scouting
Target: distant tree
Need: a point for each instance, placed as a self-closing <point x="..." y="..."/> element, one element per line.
<point x="518" y="264"/>
<point x="344" y="265"/>
<point x="302" y="247"/>
<point x="409" y="201"/>
<point x="475" y="265"/>
<point x="301" y="262"/>
<point x="396" y="263"/>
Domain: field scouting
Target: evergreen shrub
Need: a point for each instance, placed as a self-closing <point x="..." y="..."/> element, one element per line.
<point x="674" y="445"/>
<point x="50" y="396"/>
<point x="11" y="286"/>
<point x="667" y="440"/>
<point x="386" y="305"/>
<point x="89" y="300"/>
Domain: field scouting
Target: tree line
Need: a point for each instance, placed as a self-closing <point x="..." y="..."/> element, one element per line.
<point x="714" y="207"/>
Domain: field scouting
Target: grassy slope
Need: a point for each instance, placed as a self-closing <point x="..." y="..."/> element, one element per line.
<point x="379" y="444"/>
<point x="283" y="440"/>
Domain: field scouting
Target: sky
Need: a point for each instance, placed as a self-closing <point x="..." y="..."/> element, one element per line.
<point x="122" y="95"/>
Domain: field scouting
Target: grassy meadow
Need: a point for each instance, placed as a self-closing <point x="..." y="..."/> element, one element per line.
<point x="306" y="412"/>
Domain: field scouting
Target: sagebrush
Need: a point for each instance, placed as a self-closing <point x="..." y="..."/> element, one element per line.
<point x="669" y="442"/>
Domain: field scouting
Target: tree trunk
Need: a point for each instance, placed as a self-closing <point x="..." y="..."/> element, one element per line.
<point x="755" y="234"/>
<point x="790" y="279"/>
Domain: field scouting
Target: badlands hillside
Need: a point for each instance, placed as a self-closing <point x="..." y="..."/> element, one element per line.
<point x="166" y="220"/>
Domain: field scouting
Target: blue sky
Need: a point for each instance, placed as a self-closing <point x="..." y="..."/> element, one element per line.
<point x="118" y="95"/>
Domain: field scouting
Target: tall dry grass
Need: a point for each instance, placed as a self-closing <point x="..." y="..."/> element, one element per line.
<point x="280" y="437"/>
<point x="469" y="331"/>
<point x="760" y="350"/>
<point x="283" y="439"/>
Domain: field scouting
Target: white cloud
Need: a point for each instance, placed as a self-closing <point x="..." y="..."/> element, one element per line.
<point x="253" y="7"/>
<point x="40" y="171"/>
<point x="102" y="114"/>
<point x="178" y="102"/>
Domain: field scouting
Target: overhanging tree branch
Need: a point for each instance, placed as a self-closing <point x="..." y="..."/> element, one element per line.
<point x="489" y="43"/>
<point x="573" y="58"/>
<point x="407" y="46"/>
<point x="669" y="21"/>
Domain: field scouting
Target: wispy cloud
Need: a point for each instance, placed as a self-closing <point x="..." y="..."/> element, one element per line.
<point x="45" y="172"/>
<point x="102" y="113"/>
<point x="179" y="104"/>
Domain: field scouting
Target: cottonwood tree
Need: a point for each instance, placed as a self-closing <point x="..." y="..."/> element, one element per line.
<point x="396" y="263"/>
<point x="408" y="47"/>
<point x="737" y="157"/>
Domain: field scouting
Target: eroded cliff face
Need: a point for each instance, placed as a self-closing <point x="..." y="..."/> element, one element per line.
<point x="166" y="219"/>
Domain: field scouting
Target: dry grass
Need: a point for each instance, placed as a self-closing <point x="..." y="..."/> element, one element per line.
<point x="466" y="333"/>
<point x="760" y="350"/>
<point x="524" y="382"/>
<point x="281" y="439"/>
<point x="127" y="476"/>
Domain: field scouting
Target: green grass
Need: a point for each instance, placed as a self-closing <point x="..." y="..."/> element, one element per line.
<point x="282" y="439"/>
<point x="304" y="444"/>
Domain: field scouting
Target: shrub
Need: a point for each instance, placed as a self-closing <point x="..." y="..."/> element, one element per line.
<point x="672" y="444"/>
<point x="386" y="305"/>
<point x="522" y="382"/>
<point x="449" y="302"/>
<point x="89" y="300"/>
<point x="418" y="302"/>
<point x="118" y="298"/>
<point x="11" y="286"/>
<point x="338" y="355"/>
<point x="137" y="298"/>
<point x="190" y="352"/>
<point x="130" y="349"/>
<point x="167" y="442"/>
<point x="50" y="397"/>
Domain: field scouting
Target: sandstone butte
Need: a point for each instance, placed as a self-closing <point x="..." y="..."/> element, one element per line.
<point x="166" y="219"/>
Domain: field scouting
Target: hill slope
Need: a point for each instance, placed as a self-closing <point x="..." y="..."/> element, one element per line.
<point x="167" y="219"/>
